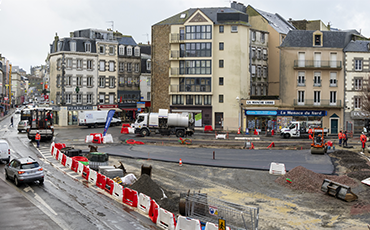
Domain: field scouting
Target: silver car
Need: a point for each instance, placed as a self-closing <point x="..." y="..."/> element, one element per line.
<point x="22" y="125"/>
<point x="23" y="170"/>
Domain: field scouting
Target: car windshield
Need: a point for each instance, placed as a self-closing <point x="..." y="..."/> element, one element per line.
<point x="30" y="165"/>
<point x="292" y="126"/>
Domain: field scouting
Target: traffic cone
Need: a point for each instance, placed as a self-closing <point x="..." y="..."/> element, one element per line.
<point x="272" y="132"/>
<point x="180" y="162"/>
<point x="239" y="130"/>
<point x="252" y="147"/>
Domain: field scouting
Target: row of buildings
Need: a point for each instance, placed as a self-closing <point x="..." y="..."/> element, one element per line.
<point x="239" y="67"/>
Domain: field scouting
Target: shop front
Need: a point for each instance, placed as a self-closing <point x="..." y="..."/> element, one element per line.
<point x="68" y="115"/>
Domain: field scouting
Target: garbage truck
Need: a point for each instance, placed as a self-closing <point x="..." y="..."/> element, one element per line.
<point x="164" y="123"/>
<point x="300" y="129"/>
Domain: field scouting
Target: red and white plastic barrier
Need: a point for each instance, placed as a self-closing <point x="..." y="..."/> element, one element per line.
<point x="144" y="203"/>
<point x="68" y="162"/>
<point x="109" y="185"/>
<point x="186" y="223"/>
<point x="153" y="211"/>
<point x="98" y="138"/>
<point x="130" y="197"/>
<point x="117" y="191"/>
<point x="212" y="226"/>
<point x="74" y="165"/>
<point x="86" y="173"/>
<point x="89" y="139"/>
<point x="63" y="159"/>
<point x="101" y="180"/>
<point x="80" y="168"/>
<point x="107" y="139"/>
<point x="93" y="176"/>
<point x="52" y="148"/>
<point x="166" y="219"/>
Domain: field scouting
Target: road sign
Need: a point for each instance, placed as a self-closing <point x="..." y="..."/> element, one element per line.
<point x="213" y="210"/>
<point x="221" y="224"/>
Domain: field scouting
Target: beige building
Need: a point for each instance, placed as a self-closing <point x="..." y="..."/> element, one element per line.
<point x="312" y="76"/>
<point x="200" y="64"/>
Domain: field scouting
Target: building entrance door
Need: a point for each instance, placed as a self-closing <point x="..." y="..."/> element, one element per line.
<point x="219" y="120"/>
<point x="334" y="126"/>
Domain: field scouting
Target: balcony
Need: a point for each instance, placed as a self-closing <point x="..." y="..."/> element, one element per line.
<point x="312" y="64"/>
<point x="177" y="38"/>
<point x="175" y="54"/>
<point x="323" y="103"/>
<point x="176" y="88"/>
<point x="175" y="72"/>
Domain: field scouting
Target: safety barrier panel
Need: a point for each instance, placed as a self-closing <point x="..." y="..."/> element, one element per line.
<point x="186" y="223"/>
<point x="80" y="168"/>
<point x="52" y="148"/>
<point x="101" y="180"/>
<point x="68" y="162"/>
<point x="153" y="211"/>
<point x="107" y="139"/>
<point x="212" y="226"/>
<point x="109" y="185"/>
<point x="63" y="160"/>
<point x="89" y="139"/>
<point x="55" y="153"/>
<point x="97" y="138"/>
<point x="277" y="169"/>
<point x="144" y="203"/>
<point x="86" y="173"/>
<point x="118" y="191"/>
<point x="93" y="176"/>
<point x="74" y="165"/>
<point x="124" y="130"/>
<point x="60" y="145"/>
<point x="60" y="156"/>
<point x="130" y="197"/>
<point x="166" y="219"/>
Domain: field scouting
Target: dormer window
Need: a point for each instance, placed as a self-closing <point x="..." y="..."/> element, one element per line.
<point x="137" y="51"/>
<point x="317" y="38"/>
<point x="59" y="46"/>
<point x="129" y="51"/>
<point x="121" y="50"/>
<point x="72" y="46"/>
<point x="87" y="47"/>
<point x="148" y="64"/>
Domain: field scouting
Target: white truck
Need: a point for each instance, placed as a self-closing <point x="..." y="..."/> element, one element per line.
<point x="300" y="129"/>
<point x="95" y="118"/>
<point x="164" y="123"/>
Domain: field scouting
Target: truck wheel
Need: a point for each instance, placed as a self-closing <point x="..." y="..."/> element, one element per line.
<point x="144" y="132"/>
<point x="180" y="133"/>
<point x="95" y="126"/>
<point x="286" y="135"/>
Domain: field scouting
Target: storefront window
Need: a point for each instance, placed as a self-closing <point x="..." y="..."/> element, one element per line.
<point x="55" y="117"/>
<point x="72" y="117"/>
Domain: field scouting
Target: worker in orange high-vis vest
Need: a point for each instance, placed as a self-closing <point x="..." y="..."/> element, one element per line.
<point x="363" y="140"/>
<point x="340" y="136"/>
<point x="310" y="133"/>
<point x="38" y="138"/>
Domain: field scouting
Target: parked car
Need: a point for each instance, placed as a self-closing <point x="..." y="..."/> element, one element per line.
<point x="23" y="170"/>
<point x="4" y="151"/>
<point x="22" y="126"/>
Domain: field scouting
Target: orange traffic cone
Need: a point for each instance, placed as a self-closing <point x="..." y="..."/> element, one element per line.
<point x="239" y="130"/>
<point x="252" y="147"/>
<point x="180" y="162"/>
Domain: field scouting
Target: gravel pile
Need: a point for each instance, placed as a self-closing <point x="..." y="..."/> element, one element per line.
<point x="309" y="181"/>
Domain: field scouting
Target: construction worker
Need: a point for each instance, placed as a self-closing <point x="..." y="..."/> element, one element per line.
<point x="38" y="138"/>
<point x="340" y="136"/>
<point x="345" y="138"/>
<point x="310" y="133"/>
<point x="363" y="140"/>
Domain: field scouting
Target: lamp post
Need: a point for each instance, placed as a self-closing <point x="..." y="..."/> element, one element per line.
<point x="240" y="114"/>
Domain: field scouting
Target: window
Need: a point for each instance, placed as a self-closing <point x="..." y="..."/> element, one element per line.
<point x="148" y="64"/>
<point x="221" y="63"/>
<point x="102" y="98"/>
<point x="148" y="81"/>
<point x="79" y="80"/>
<point x="207" y="100"/>
<point x="79" y="63"/>
<point x="121" y="80"/>
<point x="68" y="98"/>
<point x="121" y="50"/>
<point x="111" y="82"/>
<point x="195" y="84"/>
<point x="198" y="32"/>
<point x="102" y="81"/>
<point x="221" y="98"/>
<point x="89" y="81"/>
<point x="317" y="79"/>
<point x="262" y="37"/>
<point x="333" y="79"/>
<point x="121" y="66"/>
<point x="59" y="64"/>
<point x="221" y="29"/>
<point x="259" y="54"/>
<point x="87" y="47"/>
<point x="148" y="96"/>
<point x="129" y="51"/>
<point x="195" y="67"/>
<point x="259" y="71"/>
<point x="69" y="63"/>
<point x="358" y="83"/>
<point x="265" y="54"/>
<point x="317" y="39"/>
<point x="58" y="81"/>
<point x="189" y="99"/>
<point x="68" y="80"/>
<point x="301" y="79"/>
<point x="317" y="61"/>
<point x="357" y="102"/>
<point x="129" y="68"/>
<point x="333" y="97"/>
<point x="265" y="72"/>
<point x="177" y="100"/>
<point x="198" y="99"/>
<point x="111" y="50"/>
<point x="101" y="65"/>
<point x="301" y="97"/>
<point x="221" y="81"/>
<point x="253" y="70"/>
<point x="111" y="66"/>
<point x="253" y="53"/>
<point x="316" y="97"/>
<point x="59" y="46"/>
<point x="111" y="98"/>
<point x="129" y="81"/>
<point x="137" y="51"/>
<point x="89" y="64"/>
<point x="234" y="29"/>
<point x="136" y="67"/>
<point x="358" y="65"/>
<point x="79" y="98"/>
<point x="198" y="49"/>
<point x="221" y="46"/>
<point x="72" y="46"/>
<point x="89" y="98"/>
<point x="301" y="59"/>
<point x="253" y="35"/>
<point x="101" y="49"/>
<point x="57" y="98"/>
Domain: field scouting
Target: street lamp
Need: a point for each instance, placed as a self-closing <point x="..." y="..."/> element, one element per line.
<point x="240" y="114"/>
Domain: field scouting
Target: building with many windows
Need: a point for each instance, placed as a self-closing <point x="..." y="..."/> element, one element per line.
<point x="200" y="64"/>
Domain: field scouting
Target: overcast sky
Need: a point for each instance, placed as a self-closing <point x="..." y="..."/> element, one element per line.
<point x="28" y="27"/>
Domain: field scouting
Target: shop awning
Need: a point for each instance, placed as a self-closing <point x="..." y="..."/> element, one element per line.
<point x="117" y="109"/>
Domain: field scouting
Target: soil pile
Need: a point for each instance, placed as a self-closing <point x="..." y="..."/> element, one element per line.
<point x="147" y="186"/>
<point x="309" y="181"/>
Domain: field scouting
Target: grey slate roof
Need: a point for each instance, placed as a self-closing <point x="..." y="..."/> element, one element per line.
<point x="211" y="13"/>
<point x="127" y="40"/>
<point x="80" y="44"/>
<point x="331" y="39"/>
<point x="357" y="46"/>
<point x="276" y="21"/>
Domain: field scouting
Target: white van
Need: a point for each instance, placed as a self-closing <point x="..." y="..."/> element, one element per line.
<point x="4" y="151"/>
<point x="95" y="118"/>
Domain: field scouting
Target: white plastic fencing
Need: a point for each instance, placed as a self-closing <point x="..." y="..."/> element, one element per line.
<point x="277" y="169"/>
<point x="144" y="203"/>
<point x="60" y="157"/>
<point x="166" y="219"/>
<point x="117" y="191"/>
<point x="107" y="139"/>
<point x="212" y="226"/>
<point x="52" y="147"/>
<point x="89" y="139"/>
<point x="186" y="223"/>
<point x="69" y="162"/>
<point x="93" y="175"/>
<point x="80" y="168"/>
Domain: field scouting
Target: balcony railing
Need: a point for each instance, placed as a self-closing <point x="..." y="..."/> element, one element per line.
<point x="175" y="54"/>
<point x="174" y="72"/>
<point x="322" y="103"/>
<point x="312" y="64"/>
<point x="176" y="38"/>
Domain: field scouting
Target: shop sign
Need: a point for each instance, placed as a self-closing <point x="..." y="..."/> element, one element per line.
<point x="360" y="114"/>
<point x="310" y="113"/>
<point x="107" y="106"/>
<point x="140" y="104"/>
<point x="260" y="102"/>
<point x="261" y="112"/>
<point x="79" y="107"/>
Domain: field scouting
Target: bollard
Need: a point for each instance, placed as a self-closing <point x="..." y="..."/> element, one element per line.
<point x="214" y="155"/>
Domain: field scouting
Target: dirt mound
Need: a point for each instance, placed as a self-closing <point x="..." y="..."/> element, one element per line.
<point x="146" y="185"/>
<point x="309" y="181"/>
<point x="357" y="166"/>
